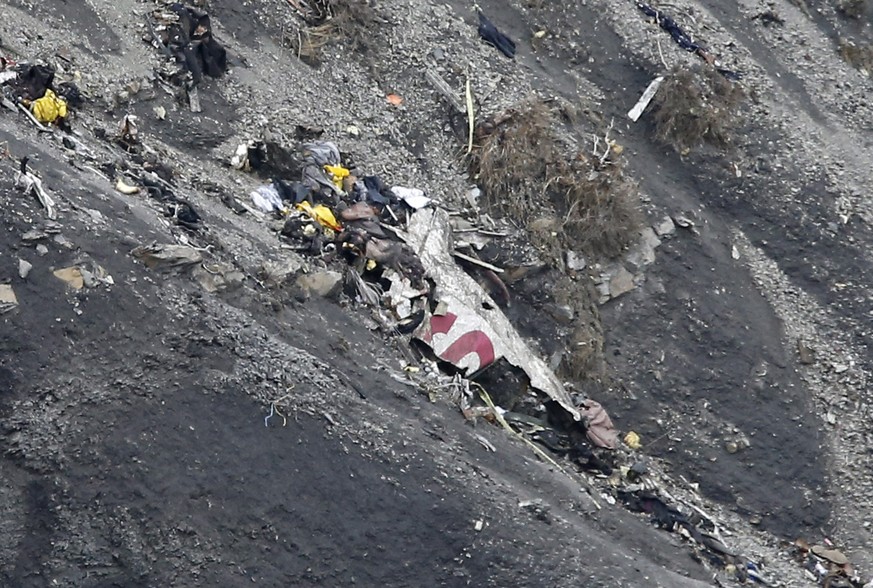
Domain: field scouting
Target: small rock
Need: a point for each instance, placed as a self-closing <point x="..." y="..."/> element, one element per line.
<point x="683" y="221"/>
<point x="735" y="253"/>
<point x="63" y="242"/>
<point x="575" y="262"/>
<point x="805" y="354"/>
<point x="665" y="227"/>
<point x="326" y="284"/>
<point x="563" y="313"/>
<point x="34" y="235"/>
<point x="41" y="249"/>
<point x="643" y="253"/>
<point x="649" y="239"/>
<point x="93" y="275"/>
<point x="95" y="215"/>
<point x="603" y="291"/>
<point x="89" y="279"/>
<point x="731" y="447"/>
<point x="24" y="268"/>
<point x="218" y="277"/>
<point x="160" y="112"/>
<point x="621" y="282"/>
<point x="353" y="130"/>
<point x="840" y="368"/>
<point x="276" y="273"/>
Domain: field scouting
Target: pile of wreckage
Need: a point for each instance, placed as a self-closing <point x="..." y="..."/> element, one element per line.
<point x="405" y="253"/>
<point x="30" y="88"/>
<point x="400" y="250"/>
<point x="184" y="35"/>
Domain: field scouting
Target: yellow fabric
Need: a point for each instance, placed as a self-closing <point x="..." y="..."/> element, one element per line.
<point x="337" y="172"/>
<point x="49" y="108"/>
<point x="322" y="214"/>
<point x="632" y="440"/>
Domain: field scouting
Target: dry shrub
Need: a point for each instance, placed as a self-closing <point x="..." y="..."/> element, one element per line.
<point x="858" y="56"/>
<point x="599" y="214"/>
<point x="513" y="159"/>
<point x="351" y="23"/>
<point x="308" y="45"/>
<point x="697" y="105"/>
<point x="563" y="196"/>
<point x="852" y="8"/>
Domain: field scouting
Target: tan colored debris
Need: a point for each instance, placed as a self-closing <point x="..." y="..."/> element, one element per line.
<point x="72" y="276"/>
<point x="163" y="256"/>
<point x="832" y="555"/>
<point x="8" y="300"/>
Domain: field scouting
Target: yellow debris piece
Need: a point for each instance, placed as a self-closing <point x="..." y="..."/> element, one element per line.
<point x="321" y="214"/>
<point x="632" y="440"/>
<point x="49" y="108"/>
<point x="338" y="173"/>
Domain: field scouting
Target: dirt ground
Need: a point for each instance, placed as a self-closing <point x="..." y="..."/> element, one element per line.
<point x="132" y="413"/>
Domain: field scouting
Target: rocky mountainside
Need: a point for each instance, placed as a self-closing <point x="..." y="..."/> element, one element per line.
<point x="703" y="273"/>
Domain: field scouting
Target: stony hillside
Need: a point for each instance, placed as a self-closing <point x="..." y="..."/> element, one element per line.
<point x="702" y="272"/>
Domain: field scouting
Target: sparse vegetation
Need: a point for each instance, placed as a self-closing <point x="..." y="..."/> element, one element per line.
<point x="349" y="22"/>
<point x="565" y="196"/>
<point x="858" y="56"/>
<point x="696" y="106"/>
<point x="852" y="8"/>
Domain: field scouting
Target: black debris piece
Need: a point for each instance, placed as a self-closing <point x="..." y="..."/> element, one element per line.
<point x="769" y="18"/>
<point x="685" y="40"/>
<point x="70" y="92"/>
<point x="269" y="159"/>
<point x="682" y="38"/>
<point x="491" y="35"/>
<point x="34" y="80"/>
<point x="295" y="192"/>
<point x="377" y="192"/>
<point x="190" y="41"/>
<point x="179" y="209"/>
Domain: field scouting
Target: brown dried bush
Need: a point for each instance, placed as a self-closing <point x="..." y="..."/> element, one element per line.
<point x="564" y="196"/>
<point x="858" y="56"/>
<point x="852" y="8"/>
<point x="349" y="22"/>
<point x="695" y="106"/>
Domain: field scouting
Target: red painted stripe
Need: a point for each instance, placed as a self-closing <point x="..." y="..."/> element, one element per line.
<point x="473" y="342"/>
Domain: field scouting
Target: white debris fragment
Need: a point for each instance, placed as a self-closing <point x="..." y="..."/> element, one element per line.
<point x="637" y="111"/>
